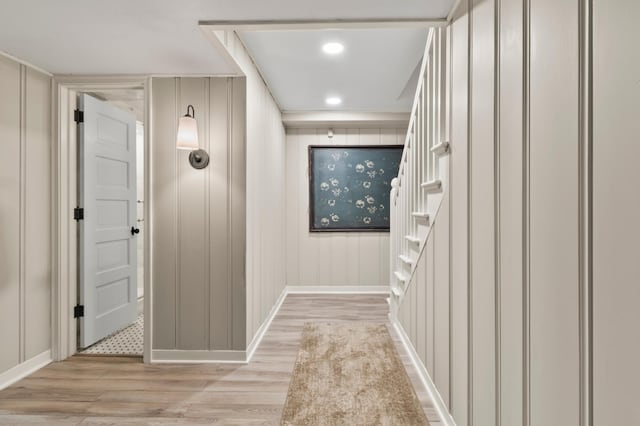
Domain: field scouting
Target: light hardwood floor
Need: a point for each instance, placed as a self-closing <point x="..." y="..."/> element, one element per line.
<point x="118" y="390"/>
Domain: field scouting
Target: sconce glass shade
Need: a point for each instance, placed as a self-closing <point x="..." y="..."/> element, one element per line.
<point x="187" y="132"/>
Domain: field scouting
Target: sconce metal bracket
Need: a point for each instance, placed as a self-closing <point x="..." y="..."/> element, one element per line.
<point x="199" y="159"/>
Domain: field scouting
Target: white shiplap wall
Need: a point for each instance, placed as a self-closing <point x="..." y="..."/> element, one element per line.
<point x="331" y="259"/>
<point x="265" y="139"/>
<point x="543" y="283"/>
<point x="25" y="216"/>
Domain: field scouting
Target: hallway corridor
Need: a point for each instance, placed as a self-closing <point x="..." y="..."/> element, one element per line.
<point x="104" y="390"/>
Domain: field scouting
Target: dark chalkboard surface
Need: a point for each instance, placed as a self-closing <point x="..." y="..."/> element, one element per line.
<point x="349" y="186"/>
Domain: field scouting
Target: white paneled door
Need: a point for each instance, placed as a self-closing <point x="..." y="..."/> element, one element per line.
<point x="108" y="230"/>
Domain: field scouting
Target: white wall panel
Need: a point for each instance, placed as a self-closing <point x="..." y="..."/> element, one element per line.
<point x="10" y="96"/>
<point x="510" y="263"/>
<point x="616" y="203"/>
<point x="554" y="213"/>
<point x="459" y="216"/>
<point x="482" y="214"/>
<point x="25" y="213"/>
<point x="37" y="217"/>
<point x="338" y="259"/>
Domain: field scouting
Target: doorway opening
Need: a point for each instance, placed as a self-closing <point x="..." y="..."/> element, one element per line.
<point x="102" y="288"/>
<point x="111" y="231"/>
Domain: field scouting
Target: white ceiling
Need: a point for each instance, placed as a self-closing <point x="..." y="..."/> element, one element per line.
<point x="161" y="36"/>
<point x="371" y="74"/>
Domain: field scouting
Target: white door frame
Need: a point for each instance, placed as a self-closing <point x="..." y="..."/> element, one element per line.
<point x="64" y="199"/>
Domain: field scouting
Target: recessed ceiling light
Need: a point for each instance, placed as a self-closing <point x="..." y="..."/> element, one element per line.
<point x="333" y="100"/>
<point x="332" y="48"/>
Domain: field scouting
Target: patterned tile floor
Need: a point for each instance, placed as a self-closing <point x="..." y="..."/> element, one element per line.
<point x="128" y="341"/>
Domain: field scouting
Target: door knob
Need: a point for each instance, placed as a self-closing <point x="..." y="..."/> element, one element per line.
<point x="134" y="230"/>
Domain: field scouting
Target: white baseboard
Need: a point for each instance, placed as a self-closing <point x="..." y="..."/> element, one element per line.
<point x="434" y="395"/>
<point x="140" y="305"/>
<point x="181" y="356"/>
<point x="21" y="371"/>
<point x="342" y="289"/>
<point x="251" y="349"/>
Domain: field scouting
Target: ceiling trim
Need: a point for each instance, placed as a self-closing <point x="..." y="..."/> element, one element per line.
<point x="25" y="63"/>
<point x="341" y="120"/>
<point x="322" y="24"/>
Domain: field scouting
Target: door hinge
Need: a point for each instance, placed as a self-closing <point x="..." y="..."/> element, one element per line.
<point x="78" y="213"/>
<point x="78" y="116"/>
<point x="78" y="311"/>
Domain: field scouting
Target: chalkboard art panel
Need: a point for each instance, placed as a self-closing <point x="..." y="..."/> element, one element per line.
<point x="349" y="187"/>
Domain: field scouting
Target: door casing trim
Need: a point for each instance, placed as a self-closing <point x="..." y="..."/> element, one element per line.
<point x="64" y="194"/>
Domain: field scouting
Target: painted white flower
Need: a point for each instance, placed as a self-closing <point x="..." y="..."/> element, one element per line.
<point x="324" y="221"/>
<point x="359" y="204"/>
<point x="346" y="154"/>
<point x="331" y="203"/>
<point x="345" y="189"/>
<point x="367" y="220"/>
<point x="372" y="173"/>
<point x="336" y="192"/>
<point x="370" y="199"/>
<point x="366" y="184"/>
<point x="381" y="206"/>
<point x="372" y="209"/>
<point x="334" y="182"/>
<point x="324" y="186"/>
<point x="381" y="171"/>
<point x="335" y="217"/>
<point x="331" y="167"/>
<point x="359" y="168"/>
<point x="335" y="156"/>
<point x="369" y="164"/>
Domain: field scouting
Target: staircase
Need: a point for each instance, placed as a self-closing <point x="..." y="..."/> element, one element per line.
<point x="423" y="178"/>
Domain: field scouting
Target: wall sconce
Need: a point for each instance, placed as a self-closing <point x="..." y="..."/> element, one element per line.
<point x="188" y="139"/>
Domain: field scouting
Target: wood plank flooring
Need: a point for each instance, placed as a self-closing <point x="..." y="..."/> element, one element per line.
<point x="90" y="390"/>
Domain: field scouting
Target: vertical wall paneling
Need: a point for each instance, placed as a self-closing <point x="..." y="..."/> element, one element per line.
<point x="198" y="217"/>
<point x="542" y="220"/>
<point x="441" y="313"/>
<point x="25" y="213"/>
<point x="238" y="213"/>
<point x="265" y="192"/>
<point x="164" y="210"/>
<point x="220" y="92"/>
<point x="616" y="202"/>
<point x="330" y="259"/>
<point x="459" y="403"/>
<point x="37" y="193"/>
<point x="10" y="100"/>
<point x="554" y="214"/>
<point x="482" y="226"/>
<point x="192" y="316"/>
<point x="511" y="211"/>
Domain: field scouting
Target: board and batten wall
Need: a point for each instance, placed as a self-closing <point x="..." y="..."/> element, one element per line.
<point x="265" y="139"/>
<point x="541" y="296"/>
<point x="198" y="219"/>
<point x="353" y="259"/>
<point x="25" y="217"/>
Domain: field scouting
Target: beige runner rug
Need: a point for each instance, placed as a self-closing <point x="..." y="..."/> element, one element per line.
<point x="350" y="374"/>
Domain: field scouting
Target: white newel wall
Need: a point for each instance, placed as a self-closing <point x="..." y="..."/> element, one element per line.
<point x="331" y="259"/>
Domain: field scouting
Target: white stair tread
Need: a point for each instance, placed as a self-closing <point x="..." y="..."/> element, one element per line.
<point x="441" y="148"/>
<point x="406" y="259"/>
<point x="401" y="277"/>
<point x="431" y="186"/>
<point x="412" y="239"/>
